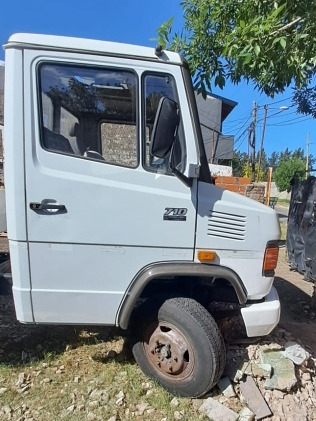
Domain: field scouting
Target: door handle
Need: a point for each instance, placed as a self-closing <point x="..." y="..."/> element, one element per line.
<point x="44" y="206"/>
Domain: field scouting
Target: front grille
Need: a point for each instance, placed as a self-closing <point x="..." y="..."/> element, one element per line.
<point x="226" y="225"/>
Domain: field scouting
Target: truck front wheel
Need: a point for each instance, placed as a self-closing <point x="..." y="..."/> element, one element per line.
<point x="179" y="345"/>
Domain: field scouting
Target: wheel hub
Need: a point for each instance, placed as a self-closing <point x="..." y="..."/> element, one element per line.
<point x="169" y="352"/>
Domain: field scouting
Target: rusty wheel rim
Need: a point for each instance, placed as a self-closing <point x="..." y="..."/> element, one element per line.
<point x="169" y="352"/>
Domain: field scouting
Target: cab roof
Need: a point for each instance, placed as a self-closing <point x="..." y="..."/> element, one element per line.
<point x="84" y="45"/>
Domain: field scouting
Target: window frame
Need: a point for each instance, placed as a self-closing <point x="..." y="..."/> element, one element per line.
<point x="143" y="128"/>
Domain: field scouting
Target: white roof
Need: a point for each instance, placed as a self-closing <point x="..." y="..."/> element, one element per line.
<point x="1" y="63"/>
<point x="87" y="45"/>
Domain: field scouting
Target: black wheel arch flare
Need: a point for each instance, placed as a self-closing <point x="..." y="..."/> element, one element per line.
<point x="174" y="268"/>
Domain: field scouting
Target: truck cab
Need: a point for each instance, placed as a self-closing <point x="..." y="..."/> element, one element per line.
<point x="112" y="214"/>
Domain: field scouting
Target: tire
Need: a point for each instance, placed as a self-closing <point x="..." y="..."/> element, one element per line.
<point x="179" y="345"/>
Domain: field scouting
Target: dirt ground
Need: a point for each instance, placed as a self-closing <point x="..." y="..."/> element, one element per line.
<point x="297" y="314"/>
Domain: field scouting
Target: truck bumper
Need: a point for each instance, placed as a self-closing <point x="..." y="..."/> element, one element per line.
<point x="261" y="318"/>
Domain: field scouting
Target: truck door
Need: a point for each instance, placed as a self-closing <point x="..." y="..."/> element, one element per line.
<point x="99" y="208"/>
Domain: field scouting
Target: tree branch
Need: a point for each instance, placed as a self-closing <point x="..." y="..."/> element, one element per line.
<point x="286" y="26"/>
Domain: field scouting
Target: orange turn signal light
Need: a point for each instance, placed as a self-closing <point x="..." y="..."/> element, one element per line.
<point x="270" y="258"/>
<point x="206" y="255"/>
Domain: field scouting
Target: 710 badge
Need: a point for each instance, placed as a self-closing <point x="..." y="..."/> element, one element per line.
<point x="175" y="214"/>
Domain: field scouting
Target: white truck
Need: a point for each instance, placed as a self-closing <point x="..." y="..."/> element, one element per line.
<point x="112" y="215"/>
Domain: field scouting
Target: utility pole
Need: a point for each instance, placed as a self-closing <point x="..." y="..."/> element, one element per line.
<point x="269" y="186"/>
<point x="252" y="141"/>
<point x="307" y="155"/>
<point x="262" y="139"/>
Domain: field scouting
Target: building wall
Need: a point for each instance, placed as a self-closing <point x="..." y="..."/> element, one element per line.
<point x="242" y="185"/>
<point x="210" y="114"/>
<point x="235" y="184"/>
<point x="275" y="192"/>
<point x="219" y="148"/>
<point x="217" y="170"/>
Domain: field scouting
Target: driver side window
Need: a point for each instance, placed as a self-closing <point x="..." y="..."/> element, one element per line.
<point x="89" y="112"/>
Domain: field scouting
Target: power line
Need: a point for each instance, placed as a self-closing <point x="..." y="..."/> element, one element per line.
<point x="295" y="121"/>
<point x="278" y="114"/>
<point x="242" y="141"/>
<point x="278" y="102"/>
<point x="245" y="124"/>
<point x="242" y="117"/>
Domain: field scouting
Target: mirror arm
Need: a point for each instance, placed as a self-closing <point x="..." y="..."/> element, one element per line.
<point x="187" y="181"/>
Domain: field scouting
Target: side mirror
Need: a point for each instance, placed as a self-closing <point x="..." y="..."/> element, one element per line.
<point x="165" y="127"/>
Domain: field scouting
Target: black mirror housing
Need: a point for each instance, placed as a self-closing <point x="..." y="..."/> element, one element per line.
<point x="165" y="127"/>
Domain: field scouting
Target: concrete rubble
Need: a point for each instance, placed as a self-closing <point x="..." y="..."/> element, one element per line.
<point x="226" y="387"/>
<point x="246" y="415"/>
<point x="254" y="399"/>
<point x="216" y="411"/>
<point x="283" y="372"/>
<point x="262" y="382"/>
<point x="273" y="380"/>
<point x="295" y="353"/>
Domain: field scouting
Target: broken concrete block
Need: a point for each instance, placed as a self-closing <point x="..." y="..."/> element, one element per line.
<point x="234" y="372"/>
<point x="216" y="411"/>
<point x="238" y="376"/>
<point x="295" y="353"/>
<point x="278" y="395"/>
<point x="226" y="387"/>
<point x="283" y="376"/>
<point x="246" y="368"/>
<point x="246" y="415"/>
<point x="254" y="399"/>
<point x="264" y="371"/>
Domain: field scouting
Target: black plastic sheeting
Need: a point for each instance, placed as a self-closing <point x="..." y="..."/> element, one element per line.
<point x="301" y="230"/>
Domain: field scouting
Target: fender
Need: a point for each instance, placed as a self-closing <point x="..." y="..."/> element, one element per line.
<point x="179" y="268"/>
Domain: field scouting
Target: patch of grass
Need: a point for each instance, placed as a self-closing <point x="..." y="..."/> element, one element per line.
<point x="283" y="226"/>
<point x="92" y="381"/>
<point x="49" y="356"/>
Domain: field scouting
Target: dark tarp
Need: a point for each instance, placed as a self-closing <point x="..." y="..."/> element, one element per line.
<point x="301" y="231"/>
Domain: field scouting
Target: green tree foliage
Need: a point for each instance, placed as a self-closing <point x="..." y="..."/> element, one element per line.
<point x="247" y="172"/>
<point x="242" y="168"/>
<point x="240" y="159"/>
<point x="298" y="153"/>
<point x="271" y="43"/>
<point x="286" y="170"/>
<point x="273" y="160"/>
<point x="263" y="166"/>
<point x="286" y="165"/>
<point x="306" y="100"/>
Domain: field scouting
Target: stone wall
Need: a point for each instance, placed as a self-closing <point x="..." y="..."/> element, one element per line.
<point x="256" y="192"/>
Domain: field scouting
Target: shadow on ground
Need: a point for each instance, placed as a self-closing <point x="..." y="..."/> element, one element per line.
<point x="23" y="343"/>
<point x="297" y="314"/>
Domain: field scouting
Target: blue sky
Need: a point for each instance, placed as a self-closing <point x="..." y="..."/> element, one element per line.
<point x="136" y="22"/>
